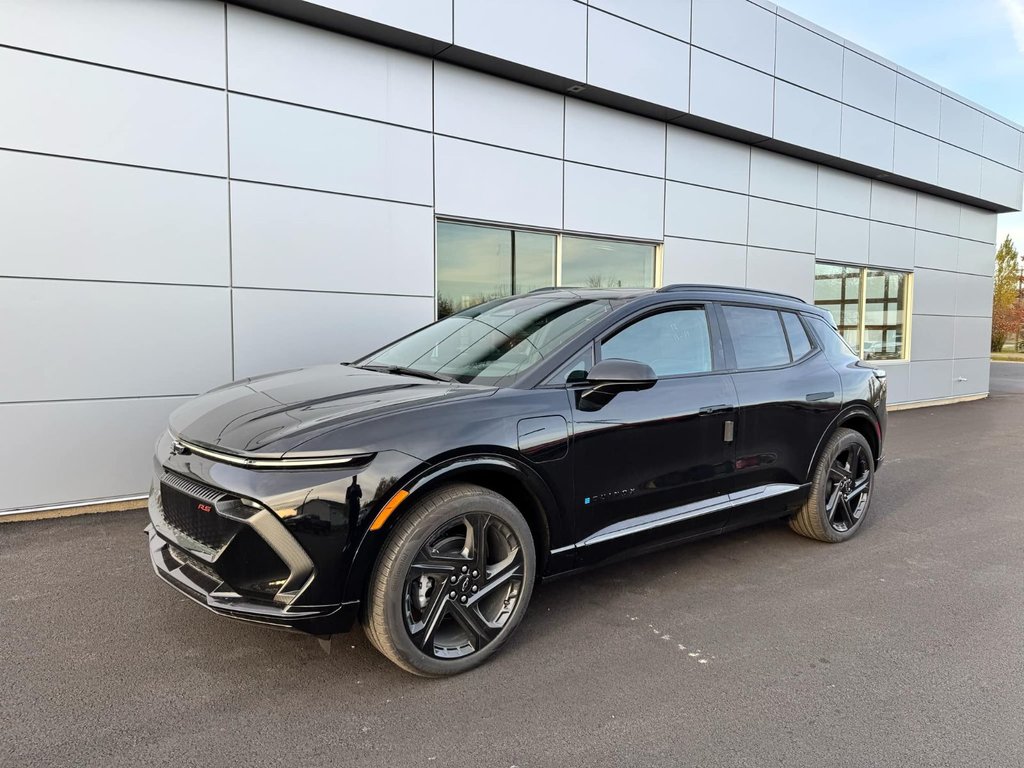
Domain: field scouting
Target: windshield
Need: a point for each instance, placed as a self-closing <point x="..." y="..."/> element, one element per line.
<point x="494" y="343"/>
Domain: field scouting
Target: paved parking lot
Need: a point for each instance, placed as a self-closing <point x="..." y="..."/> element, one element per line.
<point x="904" y="647"/>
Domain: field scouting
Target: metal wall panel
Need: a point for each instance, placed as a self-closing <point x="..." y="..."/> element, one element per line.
<point x="700" y="261"/>
<point x="730" y="93"/>
<point x="710" y="161"/>
<point x="671" y="17"/>
<point x="613" y="203"/>
<point x="808" y="59"/>
<point x="612" y="139"/>
<point x="83" y="220"/>
<point x="705" y="214"/>
<point x="303" y="65"/>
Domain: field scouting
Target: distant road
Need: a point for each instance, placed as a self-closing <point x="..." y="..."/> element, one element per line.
<point x="1007" y="379"/>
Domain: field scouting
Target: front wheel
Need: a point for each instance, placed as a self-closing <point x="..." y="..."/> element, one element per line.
<point x="452" y="581"/>
<point x="840" y="490"/>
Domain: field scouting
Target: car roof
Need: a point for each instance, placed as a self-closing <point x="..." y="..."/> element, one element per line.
<point x="689" y="291"/>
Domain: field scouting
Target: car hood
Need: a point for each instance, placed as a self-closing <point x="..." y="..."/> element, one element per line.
<point x="274" y="414"/>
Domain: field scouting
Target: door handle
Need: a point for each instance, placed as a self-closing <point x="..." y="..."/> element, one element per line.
<point x="816" y="396"/>
<point x="707" y="409"/>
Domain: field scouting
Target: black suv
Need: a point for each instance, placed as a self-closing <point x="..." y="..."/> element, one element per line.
<point x="426" y="487"/>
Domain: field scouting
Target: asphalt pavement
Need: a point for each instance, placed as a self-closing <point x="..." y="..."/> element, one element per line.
<point x="903" y="647"/>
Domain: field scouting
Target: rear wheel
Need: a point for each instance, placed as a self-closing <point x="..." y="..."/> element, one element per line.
<point x="840" y="490"/>
<point x="452" y="581"/>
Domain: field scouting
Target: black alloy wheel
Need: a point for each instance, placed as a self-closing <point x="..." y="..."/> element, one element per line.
<point x="841" y="487"/>
<point x="849" y="488"/>
<point x="452" y="581"/>
<point x="463" y="586"/>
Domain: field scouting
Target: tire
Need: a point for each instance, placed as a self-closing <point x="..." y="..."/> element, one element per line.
<point x="840" y="490"/>
<point x="426" y="610"/>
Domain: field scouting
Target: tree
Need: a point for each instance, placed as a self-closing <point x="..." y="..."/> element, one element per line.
<point x="1007" y="307"/>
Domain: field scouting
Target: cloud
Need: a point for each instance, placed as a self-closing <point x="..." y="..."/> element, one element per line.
<point x="1015" y="13"/>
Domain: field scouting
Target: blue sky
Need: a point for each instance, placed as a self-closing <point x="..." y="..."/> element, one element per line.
<point x="974" y="47"/>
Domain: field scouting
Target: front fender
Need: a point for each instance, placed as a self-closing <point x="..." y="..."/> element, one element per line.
<point x="447" y="470"/>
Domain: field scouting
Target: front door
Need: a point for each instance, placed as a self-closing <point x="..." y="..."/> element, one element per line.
<point x="651" y="465"/>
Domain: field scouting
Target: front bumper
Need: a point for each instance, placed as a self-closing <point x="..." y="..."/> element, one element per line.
<point x="193" y="570"/>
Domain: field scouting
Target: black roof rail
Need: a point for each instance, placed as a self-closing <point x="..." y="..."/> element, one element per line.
<point x="726" y="289"/>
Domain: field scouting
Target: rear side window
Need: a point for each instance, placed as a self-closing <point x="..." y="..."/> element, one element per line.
<point x="673" y="343"/>
<point x="835" y="346"/>
<point x="758" y="339"/>
<point x="799" y="344"/>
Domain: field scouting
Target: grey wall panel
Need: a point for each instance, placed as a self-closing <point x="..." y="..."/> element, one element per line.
<point x="934" y="292"/>
<point x="935" y="251"/>
<point x="891" y="246"/>
<point x="932" y="337"/>
<point x="292" y="238"/>
<point x="893" y="204"/>
<point x="699" y="158"/>
<point x="868" y="85"/>
<point x="612" y="139"/>
<point x="630" y="59"/>
<point x="931" y="380"/>
<point x="104" y="449"/>
<point x="808" y="59"/>
<point x="736" y="29"/>
<point x="937" y="215"/>
<point x="272" y="328"/>
<point x="867" y="139"/>
<point x="917" y="106"/>
<point x="916" y="155"/>
<point x="430" y="18"/>
<point x="77" y="219"/>
<point x="843" y="192"/>
<point x="159" y="123"/>
<point x="898" y="379"/>
<point x="783" y="178"/>
<point x="1000" y="142"/>
<point x="669" y="16"/>
<point x="298" y="63"/>
<point x="973" y="296"/>
<point x="971" y="377"/>
<point x="978" y="224"/>
<point x="156" y="339"/>
<point x="972" y="337"/>
<point x="959" y="170"/>
<point x="727" y="92"/>
<point x="705" y="214"/>
<point x="308" y="148"/>
<point x="473" y="105"/>
<point x="1002" y="184"/>
<point x="614" y="203"/>
<point x="782" y="271"/>
<point x="481" y="182"/>
<point x="806" y="119"/>
<point x="184" y="41"/>
<point x="700" y="261"/>
<point x="975" y="258"/>
<point x="550" y="35"/>
<point x="781" y="226"/>
<point x="960" y="124"/>
<point x="841" y="238"/>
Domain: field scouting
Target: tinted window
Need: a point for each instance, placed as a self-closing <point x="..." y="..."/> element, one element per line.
<point x="672" y="343"/>
<point x="836" y="347"/>
<point x="757" y="337"/>
<point x="799" y="344"/>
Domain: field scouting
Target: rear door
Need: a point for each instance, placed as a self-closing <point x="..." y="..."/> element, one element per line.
<point x="788" y="394"/>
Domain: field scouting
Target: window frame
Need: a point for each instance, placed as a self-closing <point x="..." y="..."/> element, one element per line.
<point x="862" y="306"/>
<point x="559" y="235"/>
<point x="731" y="350"/>
<point x="601" y="338"/>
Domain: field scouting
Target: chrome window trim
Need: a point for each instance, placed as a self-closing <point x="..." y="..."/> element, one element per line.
<point x="277" y="462"/>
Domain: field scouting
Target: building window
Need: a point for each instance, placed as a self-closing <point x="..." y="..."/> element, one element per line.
<point x="479" y="263"/>
<point x="869" y="305"/>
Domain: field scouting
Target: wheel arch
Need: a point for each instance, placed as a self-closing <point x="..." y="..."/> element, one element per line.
<point x="860" y="418"/>
<point x="501" y="474"/>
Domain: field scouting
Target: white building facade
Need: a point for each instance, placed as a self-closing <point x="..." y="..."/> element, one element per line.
<point x="193" y="192"/>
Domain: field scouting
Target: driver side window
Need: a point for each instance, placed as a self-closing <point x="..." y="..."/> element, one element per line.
<point x="673" y="343"/>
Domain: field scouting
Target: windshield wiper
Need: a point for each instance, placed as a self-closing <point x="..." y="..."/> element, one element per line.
<point x="403" y="371"/>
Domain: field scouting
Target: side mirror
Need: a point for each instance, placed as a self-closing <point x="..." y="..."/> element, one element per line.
<point x="610" y="377"/>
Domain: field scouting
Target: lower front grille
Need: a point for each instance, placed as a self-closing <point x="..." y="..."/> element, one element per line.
<point x="191" y="509"/>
